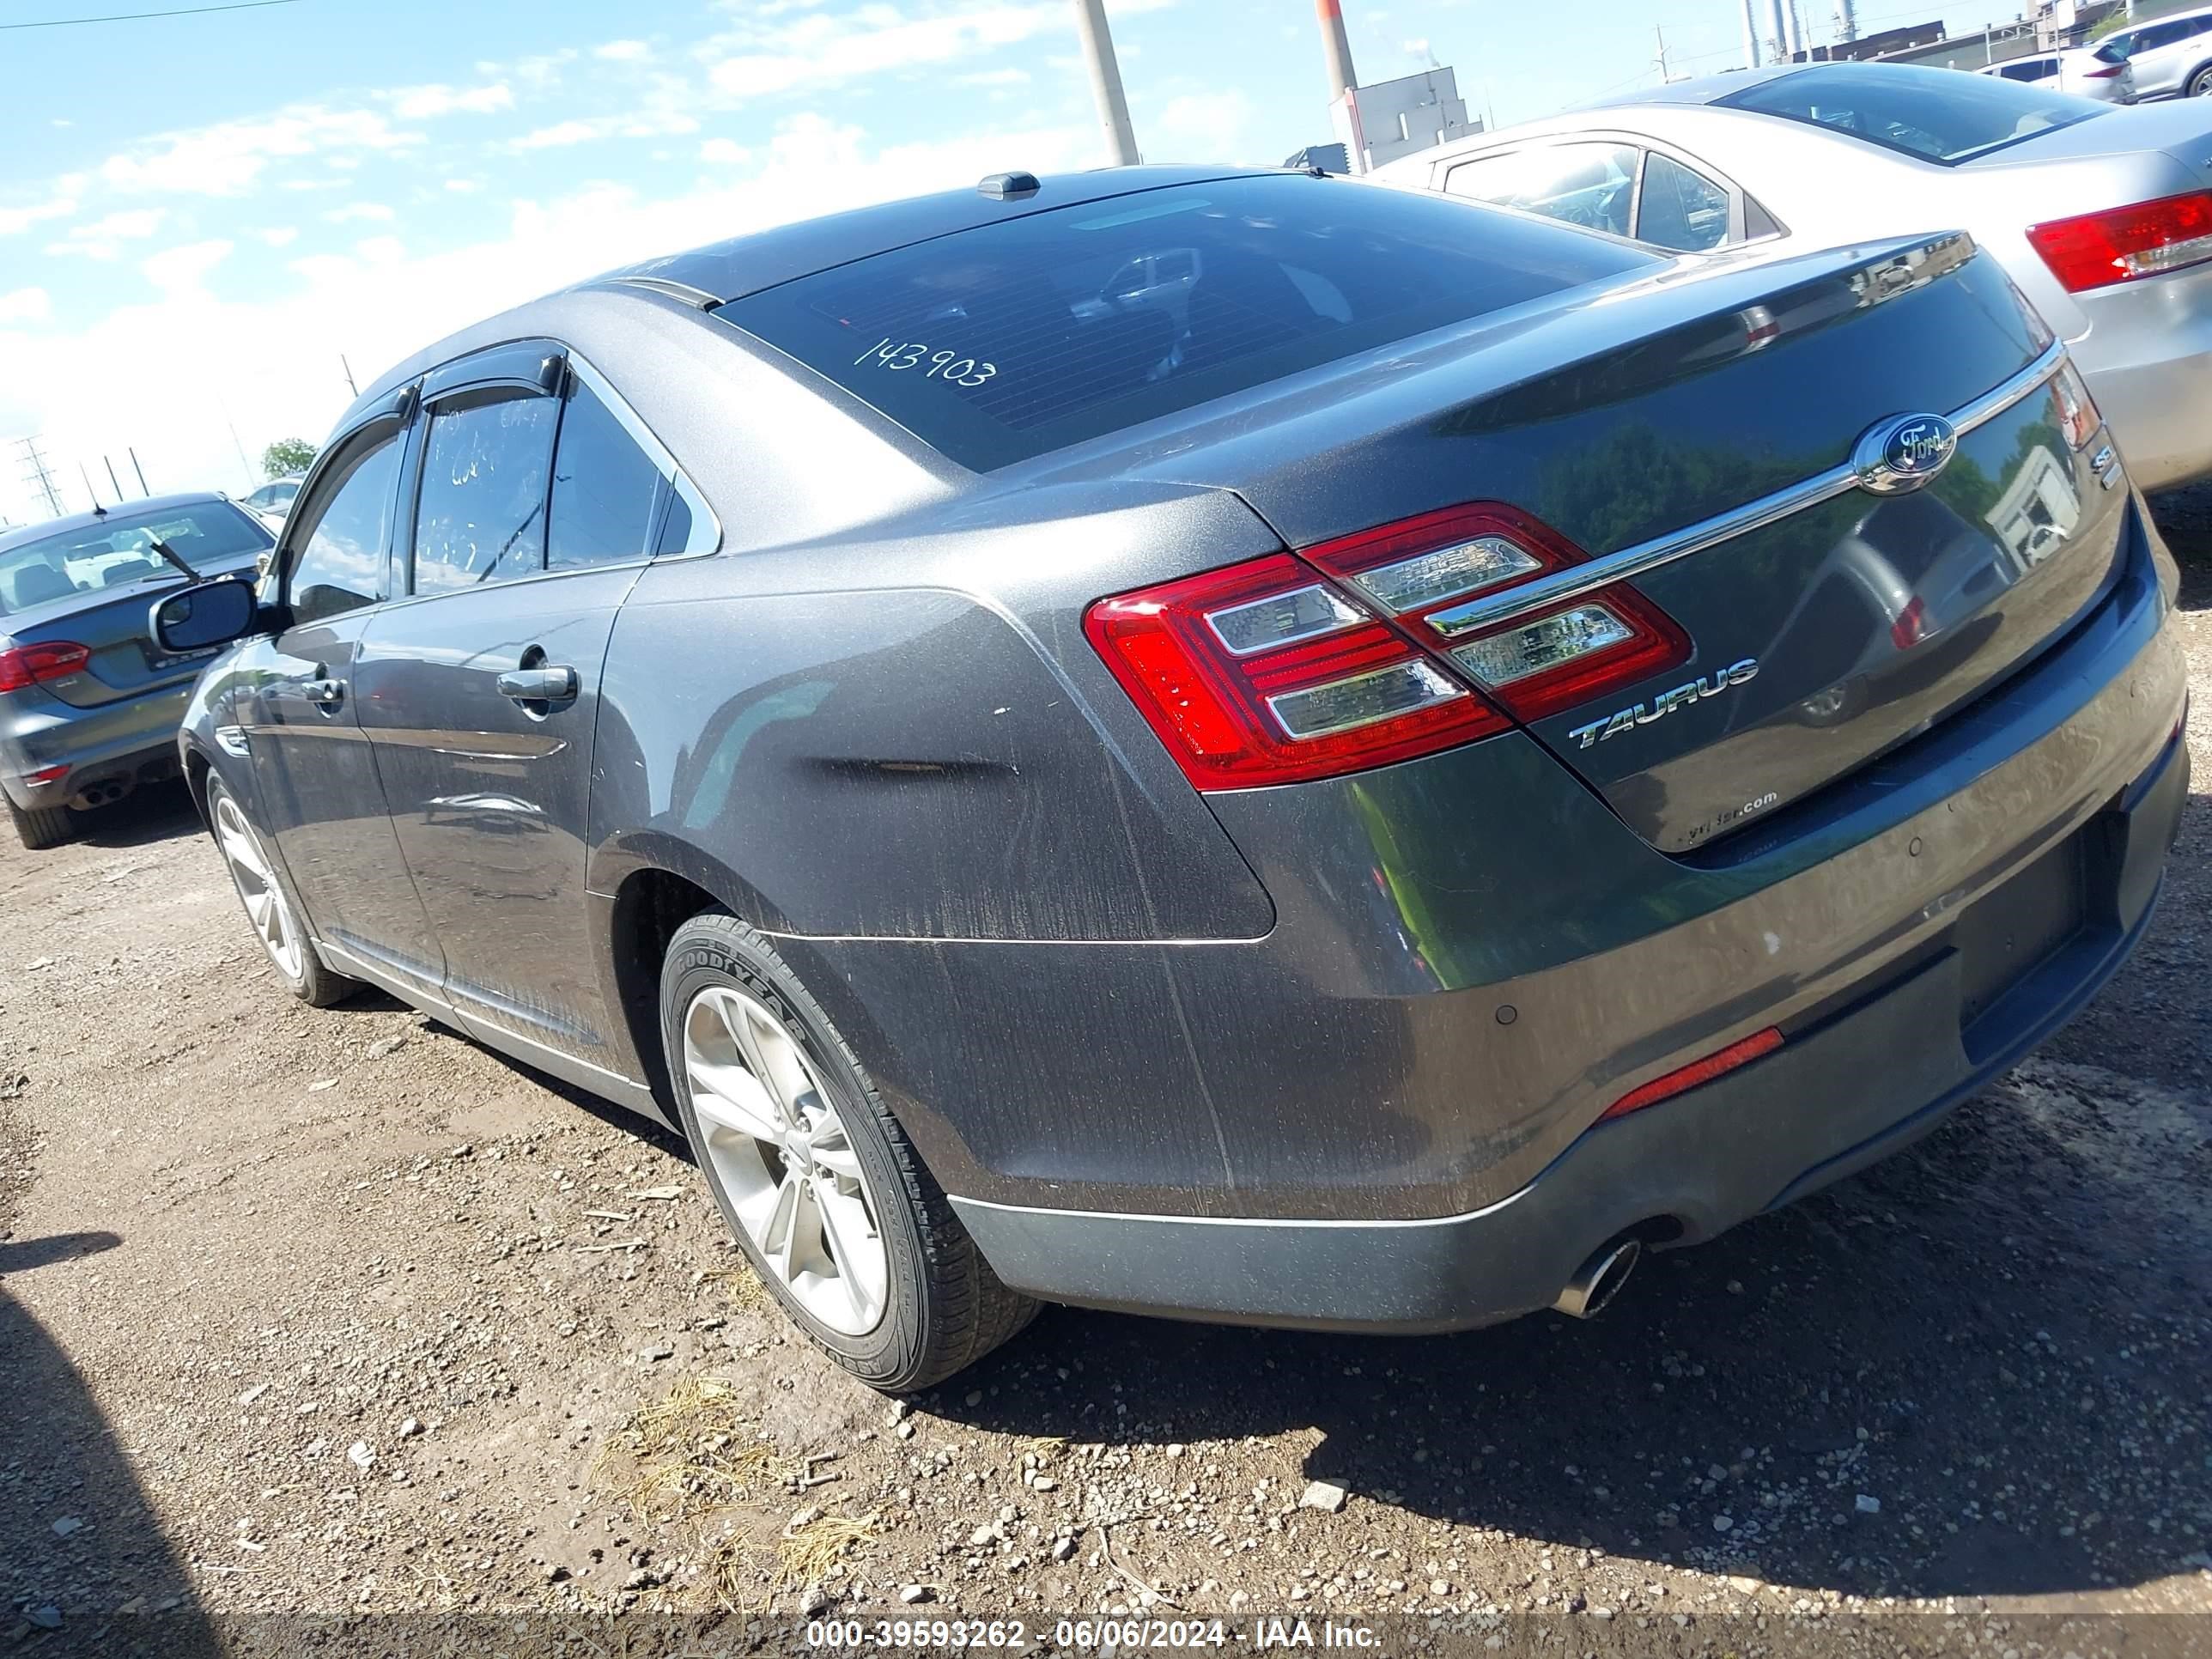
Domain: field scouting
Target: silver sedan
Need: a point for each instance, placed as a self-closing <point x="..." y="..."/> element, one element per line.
<point x="2102" y="214"/>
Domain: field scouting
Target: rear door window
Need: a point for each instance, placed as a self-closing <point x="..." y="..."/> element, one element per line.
<point x="480" y="511"/>
<point x="1015" y="339"/>
<point x="1680" y="208"/>
<point x="608" y="492"/>
<point x="1590" y="184"/>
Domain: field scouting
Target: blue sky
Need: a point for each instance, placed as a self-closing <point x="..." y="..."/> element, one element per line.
<point x="199" y="215"/>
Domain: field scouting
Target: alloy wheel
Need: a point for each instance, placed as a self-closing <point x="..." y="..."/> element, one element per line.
<point x="266" y="904"/>
<point x="783" y="1160"/>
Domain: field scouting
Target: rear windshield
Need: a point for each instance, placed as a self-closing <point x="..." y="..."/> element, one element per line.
<point x="1001" y="342"/>
<point x="1939" y="115"/>
<point x="119" y="551"/>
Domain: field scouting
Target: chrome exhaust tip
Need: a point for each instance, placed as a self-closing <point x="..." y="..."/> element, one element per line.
<point x="1599" y="1280"/>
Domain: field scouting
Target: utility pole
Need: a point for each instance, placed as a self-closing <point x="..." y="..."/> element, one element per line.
<point x="1336" y="48"/>
<point x="1106" y="80"/>
<point x="1661" y="35"/>
<point x="36" y="474"/>
<point x="139" y="470"/>
<point x="355" y="389"/>
<point x="112" y="479"/>
<point x="1751" y="34"/>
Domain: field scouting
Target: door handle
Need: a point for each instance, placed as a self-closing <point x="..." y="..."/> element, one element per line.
<point x="323" y="694"/>
<point x="527" y="685"/>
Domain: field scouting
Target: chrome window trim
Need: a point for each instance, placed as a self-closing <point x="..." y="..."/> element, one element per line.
<point x="1629" y="563"/>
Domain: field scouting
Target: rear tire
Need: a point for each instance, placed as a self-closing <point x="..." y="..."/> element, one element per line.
<point x="2200" y="84"/>
<point x="887" y="1282"/>
<point x="41" y="827"/>
<point x="269" y="907"/>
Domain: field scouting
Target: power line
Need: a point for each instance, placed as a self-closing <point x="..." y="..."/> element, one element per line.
<point x="141" y="16"/>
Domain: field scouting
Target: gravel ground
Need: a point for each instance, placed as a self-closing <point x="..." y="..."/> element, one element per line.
<point x="336" y="1313"/>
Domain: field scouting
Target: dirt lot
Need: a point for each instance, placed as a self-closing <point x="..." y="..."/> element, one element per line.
<point x="336" y="1312"/>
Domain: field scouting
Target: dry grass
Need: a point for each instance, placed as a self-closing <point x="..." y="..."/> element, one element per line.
<point x="691" y="1454"/>
<point x="695" y="1456"/>
<point x="811" y="1553"/>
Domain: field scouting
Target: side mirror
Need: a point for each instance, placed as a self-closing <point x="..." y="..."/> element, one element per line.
<point x="213" y="613"/>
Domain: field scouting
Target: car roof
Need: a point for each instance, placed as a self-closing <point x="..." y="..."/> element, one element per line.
<point x="741" y="266"/>
<point x="1702" y="88"/>
<point x="39" y="532"/>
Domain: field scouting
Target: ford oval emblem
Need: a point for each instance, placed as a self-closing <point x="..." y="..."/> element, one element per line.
<point x="1903" y="452"/>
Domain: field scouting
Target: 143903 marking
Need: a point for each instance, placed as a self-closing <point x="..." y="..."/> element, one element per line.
<point x="942" y="365"/>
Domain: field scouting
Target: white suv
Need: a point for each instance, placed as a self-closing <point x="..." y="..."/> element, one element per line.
<point x="2171" y="57"/>
<point x="2083" y="73"/>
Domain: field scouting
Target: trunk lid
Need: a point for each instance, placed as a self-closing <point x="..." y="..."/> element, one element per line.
<point x="1818" y="637"/>
<point x="2181" y="128"/>
<point x="112" y="623"/>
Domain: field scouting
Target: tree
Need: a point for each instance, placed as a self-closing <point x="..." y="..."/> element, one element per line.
<point x="286" y="456"/>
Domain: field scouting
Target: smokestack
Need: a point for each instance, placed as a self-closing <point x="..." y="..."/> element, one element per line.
<point x="1777" y="41"/>
<point x="1792" y="37"/>
<point x="1847" y="20"/>
<point x="1751" y="34"/>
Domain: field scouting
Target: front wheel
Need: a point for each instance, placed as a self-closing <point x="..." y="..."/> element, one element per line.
<point x="276" y="924"/>
<point x="828" y="1198"/>
<point x="2200" y="84"/>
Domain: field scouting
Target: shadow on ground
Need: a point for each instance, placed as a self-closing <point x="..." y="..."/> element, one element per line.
<point x="79" y="1539"/>
<point x="159" y="812"/>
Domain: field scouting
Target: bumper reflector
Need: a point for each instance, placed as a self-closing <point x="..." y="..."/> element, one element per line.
<point x="1684" y="1078"/>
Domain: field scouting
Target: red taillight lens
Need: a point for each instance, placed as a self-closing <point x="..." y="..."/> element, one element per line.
<point x="2101" y="74"/>
<point x="49" y="659"/>
<point x="1269" y="672"/>
<point x="1685" y="1079"/>
<point x="2123" y="245"/>
<point x="1262" y="673"/>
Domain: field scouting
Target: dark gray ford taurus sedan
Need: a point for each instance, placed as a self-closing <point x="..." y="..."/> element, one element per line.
<point x="1357" y="780"/>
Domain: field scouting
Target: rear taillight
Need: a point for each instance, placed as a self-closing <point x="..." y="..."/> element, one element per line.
<point x="2102" y="74"/>
<point x="2078" y="418"/>
<point x="49" y="659"/>
<point x="1912" y="624"/>
<point x="2122" y="244"/>
<point x="1261" y="673"/>
<point x="1270" y="673"/>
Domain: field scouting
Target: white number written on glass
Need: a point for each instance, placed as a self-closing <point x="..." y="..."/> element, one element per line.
<point x="935" y="365"/>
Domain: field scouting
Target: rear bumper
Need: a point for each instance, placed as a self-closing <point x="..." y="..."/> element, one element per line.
<point x="1757" y="1139"/>
<point x="126" y="739"/>
<point x="2148" y="358"/>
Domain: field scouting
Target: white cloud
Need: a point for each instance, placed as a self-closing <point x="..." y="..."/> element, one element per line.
<point x="279" y="235"/>
<point x="59" y="205"/>
<point x="820" y="48"/>
<point x="427" y="103"/>
<point x="180" y="270"/>
<point x="1220" y="127"/>
<point x="25" y="305"/>
<point x="560" y="134"/>
<point x="624" y="52"/>
<point x="228" y="158"/>
<point x="353" y="210"/>
<point x="725" y="152"/>
<point x="463" y="186"/>
<point x="101" y="238"/>
<point x="997" y="77"/>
